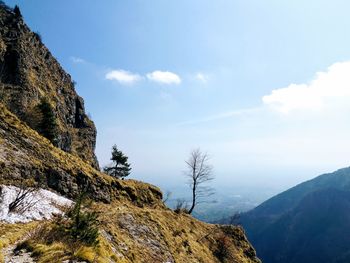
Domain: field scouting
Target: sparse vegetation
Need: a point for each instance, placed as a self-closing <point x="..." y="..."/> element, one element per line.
<point x="74" y="235"/>
<point x="223" y="250"/>
<point x="11" y="233"/>
<point x="24" y="199"/>
<point x="181" y="206"/>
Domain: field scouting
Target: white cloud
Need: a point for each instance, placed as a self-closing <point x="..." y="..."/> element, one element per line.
<point x="77" y="60"/>
<point x="202" y="77"/>
<point x="123" y="77"/>
<point x="164" y="77"/>
<point x="327" y="88"/>
<point x="328" y="91"/>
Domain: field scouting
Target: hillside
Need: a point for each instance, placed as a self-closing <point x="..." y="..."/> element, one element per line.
<point x="307" y="223"/>
<point x="24" y="154"/>
<point x="29" y="73"/>
<point x="134" y="225"/>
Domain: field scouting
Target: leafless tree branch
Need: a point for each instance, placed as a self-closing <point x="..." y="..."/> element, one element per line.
<point x="24" y="199"/>
<point x="167" y="196"/>
<point x="181" y="206"/>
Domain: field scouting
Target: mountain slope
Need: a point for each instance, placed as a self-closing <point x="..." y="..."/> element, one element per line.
<point x="29" y="73"/>
<point x="25" y="155"/>
<point x="307" y="223"/>
<point x="134" y="225"/>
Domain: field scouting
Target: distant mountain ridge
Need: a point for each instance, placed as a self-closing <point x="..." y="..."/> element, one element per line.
<point x="307" y="223"/>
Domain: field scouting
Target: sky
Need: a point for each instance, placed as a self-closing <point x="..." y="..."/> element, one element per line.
<point x="262" y="86"/>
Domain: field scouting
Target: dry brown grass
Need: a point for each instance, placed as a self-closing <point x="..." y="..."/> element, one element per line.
<point x="158" y="235"/>
<point x="11" y="233"/>
<point x="133" y="234"/>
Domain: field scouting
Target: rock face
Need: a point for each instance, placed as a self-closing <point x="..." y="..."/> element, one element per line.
<point x="29" y="73"/>
<point x="25" y="155"/>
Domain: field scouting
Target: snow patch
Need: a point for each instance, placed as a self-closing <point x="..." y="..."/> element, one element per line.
<point x="41" y="204"/>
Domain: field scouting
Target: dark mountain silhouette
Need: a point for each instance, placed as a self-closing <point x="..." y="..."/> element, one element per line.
<point x="307" y="223"/>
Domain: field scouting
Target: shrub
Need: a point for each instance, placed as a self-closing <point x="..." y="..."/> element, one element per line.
<point x="222" y="251"/>
<point x="83" y="225"/>
<point x="181" y="206"/>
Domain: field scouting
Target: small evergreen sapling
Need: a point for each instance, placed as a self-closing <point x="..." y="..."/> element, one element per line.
<point x="83" y="224"/>
<point x="120" y="168"/>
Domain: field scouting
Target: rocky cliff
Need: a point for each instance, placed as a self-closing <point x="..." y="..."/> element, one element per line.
<point x="134" y="224"/>
<point x="29" y="73"/>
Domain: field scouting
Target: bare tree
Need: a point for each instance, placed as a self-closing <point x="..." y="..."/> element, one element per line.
<point x="24" y="199"/>
<point x="199" y="172"/>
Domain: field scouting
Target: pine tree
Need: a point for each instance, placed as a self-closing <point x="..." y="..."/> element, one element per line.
<point x="120" y="168"/>
<point x="48" y="124"/>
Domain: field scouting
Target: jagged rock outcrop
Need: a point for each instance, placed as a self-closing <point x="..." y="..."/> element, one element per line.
<point x="29" y="73"/>
<point x="25" y="155"/>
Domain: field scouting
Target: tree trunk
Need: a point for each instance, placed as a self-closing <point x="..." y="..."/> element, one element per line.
<point x="193" y="198"/>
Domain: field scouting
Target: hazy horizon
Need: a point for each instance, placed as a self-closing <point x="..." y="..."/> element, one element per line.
<point x="264" y="88"/>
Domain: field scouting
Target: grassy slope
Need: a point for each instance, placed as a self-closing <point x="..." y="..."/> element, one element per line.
<point x="10" y="233"/>
<point x="135" y="225"/>
<point x="132" y="234"/>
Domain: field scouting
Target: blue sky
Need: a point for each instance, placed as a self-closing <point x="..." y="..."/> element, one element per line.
<point x="160" y="78"/>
